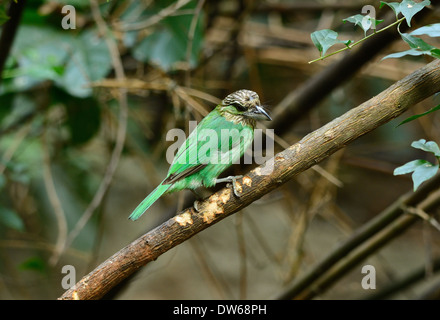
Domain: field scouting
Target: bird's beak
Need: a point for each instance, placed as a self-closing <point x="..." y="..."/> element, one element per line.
<point x="260" y="114"/>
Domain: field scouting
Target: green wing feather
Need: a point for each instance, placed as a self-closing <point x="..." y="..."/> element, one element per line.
<point x="208" y="151"/>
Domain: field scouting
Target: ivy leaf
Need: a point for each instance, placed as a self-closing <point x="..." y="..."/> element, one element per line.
<point x="419" y="115"/>
<point x="432" y="30"/>
<point x="324" y="39"/>
<point x="423" y="173"/>
<point x="435" y="53"/>
<point x="429" y="146"/>
<point x="410" y="52"/>
<point x="393" y="5"/>
<point x="418" y="47"/>
<point x="409" y="8"/>
<point x="409" y="167"/>
<point x="422" y="170"/>
<point x="416" y="43"/>
<point x="365" y="22"/>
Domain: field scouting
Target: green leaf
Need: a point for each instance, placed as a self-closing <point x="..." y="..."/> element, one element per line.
<point x="409" y="8"/>
<point x="159" y="49"/>
<point x="422" y="170"/>
<point x="38" y="52"/>
<point x="416" y="43"/>
<point x="432" y="30"/>
<point x="167" y="45"/>
<point x="360" y="20"/>
<point x="11" y="219"/>
<point x="393" y="5"/>
<point x="70" y="60"/>
<point x="423" y="173"/>
<point x="429" y="146"/>
<point x="324" y="39"/>
<point x="418" y="47"/>
<point x="435" y="53"/>
<point x="419" y="115"/>
<point x="365" y="22"/>
<point x="410" y="52"/>
<point x="90" y="61"/>
<point x="409" y="167"/>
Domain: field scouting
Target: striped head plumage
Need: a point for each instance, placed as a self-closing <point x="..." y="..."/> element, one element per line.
<point x="243" y="106"/>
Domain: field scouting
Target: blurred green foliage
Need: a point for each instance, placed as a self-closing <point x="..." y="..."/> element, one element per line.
<point x="49" y="110"/>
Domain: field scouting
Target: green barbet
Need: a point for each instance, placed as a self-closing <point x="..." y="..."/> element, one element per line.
<point x="218" y="141"/>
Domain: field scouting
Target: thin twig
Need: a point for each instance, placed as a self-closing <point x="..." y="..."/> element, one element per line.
<point x="422" y="214"/>
<point x="55" y="203"/>
<point x="189" y="43"/>
<point x="190" y="101"/>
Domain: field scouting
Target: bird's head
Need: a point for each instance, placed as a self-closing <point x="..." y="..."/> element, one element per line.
<point x="243" y="105"/>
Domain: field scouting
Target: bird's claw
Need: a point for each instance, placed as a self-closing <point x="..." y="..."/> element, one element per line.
<point x="196" y="206"/>
<point x="231" y="179"/>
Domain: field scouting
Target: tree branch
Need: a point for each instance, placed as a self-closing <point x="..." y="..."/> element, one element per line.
<point x="311" y="150"/>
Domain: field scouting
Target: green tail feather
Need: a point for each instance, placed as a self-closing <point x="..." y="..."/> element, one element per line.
<point x="148" y="201"/>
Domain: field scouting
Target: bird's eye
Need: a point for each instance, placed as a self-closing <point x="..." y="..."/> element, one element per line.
<point x="238" y="106"/>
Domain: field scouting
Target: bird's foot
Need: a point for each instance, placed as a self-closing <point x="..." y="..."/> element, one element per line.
<point x="230" y="179"/>
<point x="196" y="206"/>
